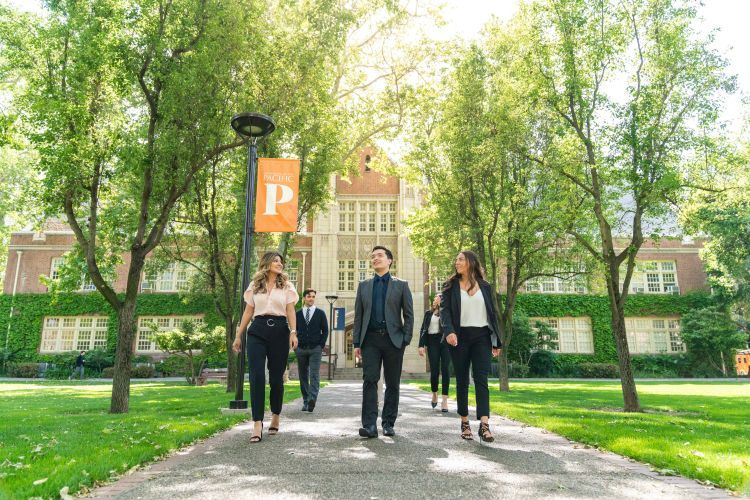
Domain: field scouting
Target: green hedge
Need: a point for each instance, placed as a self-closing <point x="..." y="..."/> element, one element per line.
<point x="30" y="310"/>
<point x="597" y="308"/>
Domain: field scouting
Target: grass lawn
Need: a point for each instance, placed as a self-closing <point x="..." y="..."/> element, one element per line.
<point x="698" y="430"/>
<point x="59" y="434"/>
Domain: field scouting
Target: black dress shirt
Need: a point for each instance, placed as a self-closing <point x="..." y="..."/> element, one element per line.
<point x="379" y="290"/>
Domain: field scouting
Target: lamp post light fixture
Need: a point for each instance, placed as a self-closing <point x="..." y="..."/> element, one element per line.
<point x="331" y="299"/>
<point x="251" y="127"/>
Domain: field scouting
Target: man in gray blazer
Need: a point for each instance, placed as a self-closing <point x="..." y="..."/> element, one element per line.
<point x="383" y="324"/>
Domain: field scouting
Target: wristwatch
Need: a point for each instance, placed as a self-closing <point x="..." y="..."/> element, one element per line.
<point x="293" y="331"/>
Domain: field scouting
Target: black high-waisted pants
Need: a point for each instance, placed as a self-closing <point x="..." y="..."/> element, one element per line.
<point x="474" y="350"/>
<point x="267" y="342"/>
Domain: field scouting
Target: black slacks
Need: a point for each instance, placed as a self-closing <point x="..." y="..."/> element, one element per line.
<point x="439" y="356"/>
<point x="377" y="351"/>
<point x="267" y="341"/>
<point x="474" y="350"/>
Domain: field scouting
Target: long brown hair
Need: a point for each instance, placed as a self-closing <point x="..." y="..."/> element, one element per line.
<point x="475" y="272"/>
<point x="261" y="277"/>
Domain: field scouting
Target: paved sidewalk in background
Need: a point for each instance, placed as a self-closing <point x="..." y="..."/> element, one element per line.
<point x="320" y="455"/>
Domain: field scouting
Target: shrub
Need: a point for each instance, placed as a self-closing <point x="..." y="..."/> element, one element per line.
<point x="661" y="365"/>
<point x="143" y="371"/>
<point x="23" y="370"/>
<point x="599" y="370"/>
<point x="98" y="359"/>
<point x="542" y="363"/>
<point x="108" y="372"/>
<point x="518" y="370"/>
<point x="566" y="367"/>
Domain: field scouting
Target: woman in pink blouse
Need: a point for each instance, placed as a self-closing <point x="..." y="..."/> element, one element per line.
<point x="270" y="300"/>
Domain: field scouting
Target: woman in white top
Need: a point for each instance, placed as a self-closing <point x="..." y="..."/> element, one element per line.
<point x="270" y="301"/>
<point x="437" y="352"/>
<point x="469" y="319"/>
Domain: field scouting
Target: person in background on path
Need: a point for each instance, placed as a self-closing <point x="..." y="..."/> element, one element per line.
<point x="383" y="324"/>
<point x="437" y="353"/>
<point x="270" y="301"/>
<point x="469" y="320"/>
<point x="80" y="361"/>
<point x="312" y="325"/>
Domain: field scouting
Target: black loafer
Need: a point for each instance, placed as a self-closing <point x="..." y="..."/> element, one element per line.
<point x="388" y="430"/>
<point x="311" y="405"/>
<point x="368" y="432"/>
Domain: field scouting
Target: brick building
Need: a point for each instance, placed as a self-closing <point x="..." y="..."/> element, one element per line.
<point x="332" y="256"/>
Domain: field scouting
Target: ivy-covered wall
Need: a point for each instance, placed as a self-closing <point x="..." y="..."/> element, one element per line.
<point x="597" y="308"/>
<point x="30" y="310"/>
<point x="25" y="331"/>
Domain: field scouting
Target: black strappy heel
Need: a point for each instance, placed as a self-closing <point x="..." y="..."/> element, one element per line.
<point x="484" y="433"/>
<point x="464" y="428"/>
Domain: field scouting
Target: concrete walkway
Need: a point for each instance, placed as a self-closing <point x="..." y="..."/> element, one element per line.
<point x="320" y="455"/>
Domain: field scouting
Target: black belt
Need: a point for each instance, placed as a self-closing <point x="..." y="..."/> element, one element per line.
<point x="379" y="331"/>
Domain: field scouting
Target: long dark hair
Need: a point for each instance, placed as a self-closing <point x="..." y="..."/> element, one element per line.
<point x="475" y="272"/>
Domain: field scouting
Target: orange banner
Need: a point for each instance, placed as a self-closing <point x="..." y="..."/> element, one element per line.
<point x="277" y="196"/>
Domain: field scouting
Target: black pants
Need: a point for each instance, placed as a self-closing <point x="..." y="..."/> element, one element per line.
<point x="474" y="348"/>
<point x="377" y="351"/>
<point x="439" y="356"/>
<point x="267" y="341"/>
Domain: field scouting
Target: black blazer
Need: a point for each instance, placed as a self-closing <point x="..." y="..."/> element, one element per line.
<point x="425" y="327"/>
<point x="314" y="334"/>
<point x="450" y="312"/>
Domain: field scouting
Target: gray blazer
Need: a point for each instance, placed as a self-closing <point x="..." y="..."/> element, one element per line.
<point x="397" y="303"/>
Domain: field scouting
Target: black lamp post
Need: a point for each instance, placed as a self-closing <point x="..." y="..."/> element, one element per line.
<point x="251" y="126"/>
<point x="331" y="299"/>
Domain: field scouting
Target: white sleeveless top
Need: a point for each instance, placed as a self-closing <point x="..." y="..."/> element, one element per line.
<point x="434" y="325"/>
<point x="473" y="310"/>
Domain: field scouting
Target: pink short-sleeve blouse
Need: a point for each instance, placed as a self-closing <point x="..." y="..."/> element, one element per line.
<point x="273" y="303"/>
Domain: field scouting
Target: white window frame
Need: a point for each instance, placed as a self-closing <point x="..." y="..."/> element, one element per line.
<point x="144" y="341"/>
<point x="55" y="265"/>
<point x="292" y="271"/>
<point x="346" y="275"/>
<point x="653" y="277"/>
<point x="654" y="335"/>
<point x="172" y="279"/>
<point x="556" y="284"/>
<point x="369" y="216"/>
<point x="575" y="335"/>
<point x="347" y="216"/>
<point x="74" y="333"/>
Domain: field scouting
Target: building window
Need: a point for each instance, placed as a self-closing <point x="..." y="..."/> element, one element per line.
<point x="145" y="339"/>
<point x="174" y="278"/>
<point x="555" y="284"/>
<point x="387" y="216"/>
<point x="367" y="216"/>
<point x="54" y="272"/>
<point x="653" y="276"/>
<point x="346" y="275"/>
<point x="654" y="335"/>
<point x="292" y="270"/>
<point x="346" y="217"/>
<point x="574" y="335"/>
<point x="367" y="163"/>
<point x="74" y="333"/>
<point x="363" y="270"/>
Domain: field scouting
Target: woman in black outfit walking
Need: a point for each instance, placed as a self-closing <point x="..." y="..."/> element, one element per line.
<point x="270" y="301"/>
<point x="470" y="325"/>
<point x="437" y="352"/>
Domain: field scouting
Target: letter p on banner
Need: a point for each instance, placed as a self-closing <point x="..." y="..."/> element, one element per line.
<point x="277" y="196"/>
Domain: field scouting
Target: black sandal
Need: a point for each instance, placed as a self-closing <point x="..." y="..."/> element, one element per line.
<point x="257" y="439"/>
<point x="468" y="436"/>
<point x="272" y="431"/>
<point x="484" y="433"/>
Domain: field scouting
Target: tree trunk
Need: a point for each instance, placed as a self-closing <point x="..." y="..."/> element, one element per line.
<point x="629" y="393"/>
<point x="123" y="354"/>
<point x="503" y="368"/>
<point x="723" y="364"/>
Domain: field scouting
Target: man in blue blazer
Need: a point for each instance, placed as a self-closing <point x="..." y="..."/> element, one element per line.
<point x="312" y="333"/>
<point x="383" y="324"/>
